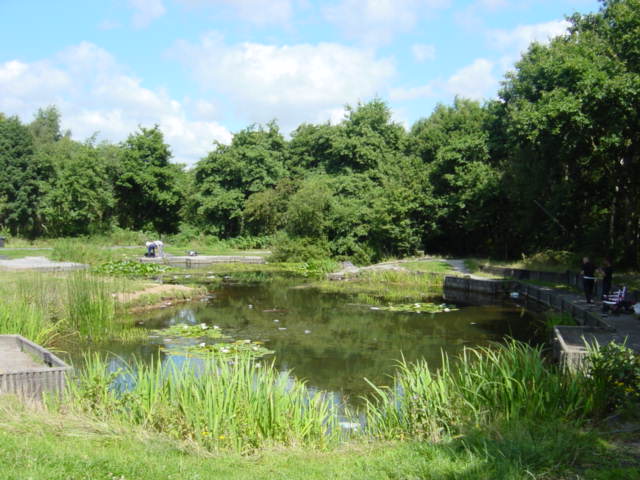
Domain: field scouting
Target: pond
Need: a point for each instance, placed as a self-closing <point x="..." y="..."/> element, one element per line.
<point x="333" y="341"/>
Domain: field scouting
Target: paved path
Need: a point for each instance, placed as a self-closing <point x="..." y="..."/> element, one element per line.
<point x="459" y="266"/>
<point x="40" y="264"/>
<point x="626" y="325"/>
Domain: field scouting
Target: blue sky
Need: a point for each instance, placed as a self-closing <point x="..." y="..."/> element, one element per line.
<point x="203" y="69"/>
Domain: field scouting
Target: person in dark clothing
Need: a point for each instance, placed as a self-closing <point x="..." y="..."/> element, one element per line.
<point x="607" y="271"/>
<point x="588" y="278"/>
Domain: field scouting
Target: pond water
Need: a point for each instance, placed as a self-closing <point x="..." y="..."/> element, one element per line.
<point x="332" y="341"/>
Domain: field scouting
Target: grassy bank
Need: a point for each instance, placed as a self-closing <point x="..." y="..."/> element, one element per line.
<point x="386" y="286"/>
<point x="62" y="447"/>
<point x="501" y="414"/>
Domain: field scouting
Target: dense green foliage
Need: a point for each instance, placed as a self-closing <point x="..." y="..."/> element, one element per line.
<point x="553" y="163"/>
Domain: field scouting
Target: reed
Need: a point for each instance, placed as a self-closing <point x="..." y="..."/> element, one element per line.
<point x="483" y="386"/>
<point x="19" y="317"/>
<point x="237" y="405"/>
<point x="45" y="307"/>
<point x="90" y="308"/>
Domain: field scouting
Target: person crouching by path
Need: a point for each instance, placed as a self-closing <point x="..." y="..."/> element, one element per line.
<point x="607" y="271"/>
<point x="151" y="249"/>
<point x="588" y="278"/>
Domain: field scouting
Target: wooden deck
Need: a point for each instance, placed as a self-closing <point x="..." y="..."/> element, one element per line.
<point x="28" y="370"/>
<point x="12" y="359"/>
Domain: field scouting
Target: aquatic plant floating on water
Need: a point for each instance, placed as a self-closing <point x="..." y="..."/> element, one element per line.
<point x="239" y="348"/>
<point x="424" y="307"/>
<point x="183" y="330"/>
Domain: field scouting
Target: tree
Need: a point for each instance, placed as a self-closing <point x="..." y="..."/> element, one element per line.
<point x="146" y="184"/>
<point x="254" y="162"/>
<point x="80" y="199"/>
<point x="45" y="126"/>
<point x="23" y="179"/>
<point x="573" y="109"/>
<point x="463" y="182"/>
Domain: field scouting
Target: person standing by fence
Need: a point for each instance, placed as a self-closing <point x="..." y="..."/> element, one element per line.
<point x="588" y="278"/>
<point x="607" y="271"/>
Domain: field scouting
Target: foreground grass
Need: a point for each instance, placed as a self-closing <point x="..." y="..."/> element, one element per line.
<point x="39" y="445"/>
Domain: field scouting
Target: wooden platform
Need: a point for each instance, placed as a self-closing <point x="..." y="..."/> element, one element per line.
<point x="29" y="370"/>
<point x="12" y="359"/>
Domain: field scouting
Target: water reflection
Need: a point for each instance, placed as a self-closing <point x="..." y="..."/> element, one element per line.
<point x="332" y="342"/>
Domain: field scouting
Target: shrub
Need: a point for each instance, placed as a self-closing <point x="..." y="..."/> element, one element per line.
<point x="555" y="258"/>
<point x="299" y="249"/>
<point x="615" y="372"/>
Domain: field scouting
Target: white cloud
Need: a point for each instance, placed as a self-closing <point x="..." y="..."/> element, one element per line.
<point x="146" y="11"/>
<point x="423" y="52"/>
<point x="492" y="4"/>
<point x="414" y="93"/>
<point x="259" y="12"/>
<point x="476" y="81"/>
<point x="519" y="39"/>
<point x="290" y="83"/>
<point x="376" y="22"/>
<point x="94" y="94"/>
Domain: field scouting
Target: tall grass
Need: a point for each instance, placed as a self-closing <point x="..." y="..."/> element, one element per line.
<point x="19" y="317"/>
<point x="81" y="251"/>
<point x="90" y="306"/>
<point x="239" y="405"/>
<point x="45" y="307"/>
<point x="505" y="383"/>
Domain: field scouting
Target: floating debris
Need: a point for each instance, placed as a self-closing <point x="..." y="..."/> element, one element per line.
<point x="282" y="328"/>
<point x="276" y="321"/>
<point x="307" y="332"/>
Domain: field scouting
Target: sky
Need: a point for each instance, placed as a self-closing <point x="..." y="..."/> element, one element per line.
<point x="204" y="69"/>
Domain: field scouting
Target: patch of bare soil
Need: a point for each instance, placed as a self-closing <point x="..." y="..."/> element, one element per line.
<point x="169" y="295"/>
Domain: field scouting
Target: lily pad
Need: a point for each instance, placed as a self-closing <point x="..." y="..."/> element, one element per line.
<point x="184" y="330"/>
<point x="244" y="348"/>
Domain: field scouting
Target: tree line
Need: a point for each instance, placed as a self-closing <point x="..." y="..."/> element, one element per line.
<point x="552" y="163"/>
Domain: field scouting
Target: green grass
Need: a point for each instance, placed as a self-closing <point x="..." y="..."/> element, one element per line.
<point x="50" y="308"/>
<point x="387" y="286"/>
<point x="505" y="383"/>
<point x="37" y="444"/>
<point x="12" y="254"/>
<point x="429" y="266"/>
<point x="236" y="405"/>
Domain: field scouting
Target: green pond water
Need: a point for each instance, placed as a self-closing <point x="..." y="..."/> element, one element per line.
<point x="333" y="341"/>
